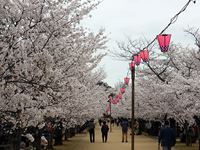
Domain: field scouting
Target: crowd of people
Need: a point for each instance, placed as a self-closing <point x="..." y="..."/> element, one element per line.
<point x="123" y="122"/>
<point x="166" y="132"/>
<point x="29" y="138"/>
<point x="47" y="134"/>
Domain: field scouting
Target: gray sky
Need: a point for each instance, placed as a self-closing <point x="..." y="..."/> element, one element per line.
<point x="140" y="19"/>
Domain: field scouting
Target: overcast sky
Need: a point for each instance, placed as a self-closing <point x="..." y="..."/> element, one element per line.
<point x="140" y="19"/>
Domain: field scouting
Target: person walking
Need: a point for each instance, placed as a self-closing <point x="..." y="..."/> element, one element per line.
<point x="124" y="125"/>
<point x="167" y="137"/>
<point x="104" y="131"/>
<point x="91" y="128"/>
<point x="100" y="121"/>
<point x="136" y="128"/>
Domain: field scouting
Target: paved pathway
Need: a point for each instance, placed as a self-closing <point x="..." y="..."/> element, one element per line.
<point x="81" y="142"/>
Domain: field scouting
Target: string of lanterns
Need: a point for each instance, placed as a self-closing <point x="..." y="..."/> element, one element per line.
<point x="143" y="55"/>
<point x="117" y="98"/>
<point x="163" y="41"/>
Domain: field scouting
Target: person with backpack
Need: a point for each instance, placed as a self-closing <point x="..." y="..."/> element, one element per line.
<point x="104" y="131"/>
<point x="124" y="125"/>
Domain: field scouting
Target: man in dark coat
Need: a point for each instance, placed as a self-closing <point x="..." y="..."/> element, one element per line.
<point x="124" y="125"/>
<point x="91" y="129"/>
<point x="167" y="137"/>
<point x="104" y="131"/>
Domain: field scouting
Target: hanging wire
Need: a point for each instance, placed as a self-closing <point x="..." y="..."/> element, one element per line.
<point x="128" y="73"/>
<point x="173" y="20"/>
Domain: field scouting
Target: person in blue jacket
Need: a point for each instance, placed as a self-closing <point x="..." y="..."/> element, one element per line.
<point x="124" y="125"/>
<point x="167" y="137"/>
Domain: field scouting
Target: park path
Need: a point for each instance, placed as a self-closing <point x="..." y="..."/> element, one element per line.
<point x="81" y="142"/>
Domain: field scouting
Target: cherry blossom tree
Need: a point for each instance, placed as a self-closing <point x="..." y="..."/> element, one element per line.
<point x="48" y="61"/>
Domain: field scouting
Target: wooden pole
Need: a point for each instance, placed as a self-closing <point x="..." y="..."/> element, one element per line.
<point x="133" y="104"/>
<point x="199" y="136"/>
<point x="110" y="116"/>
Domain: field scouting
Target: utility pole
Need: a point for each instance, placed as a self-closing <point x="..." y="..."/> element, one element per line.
<point x="133" y="104"/>
<point x="110" y="116"/>
<point x="109" y="100"/>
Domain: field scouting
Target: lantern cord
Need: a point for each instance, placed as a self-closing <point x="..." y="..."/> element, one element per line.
<point x="128" y="73"/>
<point x="172" y="20"/>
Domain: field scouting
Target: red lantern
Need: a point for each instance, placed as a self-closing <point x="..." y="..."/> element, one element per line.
<point x="113" y="102"/>
<point x="119" y="96"/>
<point x="110" y="98"/>
<point x="117" y="100"/>
<point x="126" y="80"/>
<point x="122" y="90"/>
<point x="107" y="109"/>
<point x="144" y="54"/>
<point x="137" y="59"/>
<point x="164" y="40"/>
<point x="131" y="65"/>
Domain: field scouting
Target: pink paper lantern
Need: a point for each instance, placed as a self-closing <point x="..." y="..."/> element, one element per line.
<point x="110" y="98"/>
<point x="113" y="101"/>
<point x="122" y="90"/>
<point x="117" y="100"/>
<point x="107" y="109"/>
<point x="119" y="96"/>
<point x="144" y="54"/>
<point x="137" y="59"/>
<point x="126" y="80"/>
<point x="131" y="65"/>
<point x="164" y="41"/>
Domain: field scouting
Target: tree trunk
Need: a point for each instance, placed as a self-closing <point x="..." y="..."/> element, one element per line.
<point x="199" y="136"/>
<point x="18" y="139"/>
<point x="187" y="138"/>
<point x="38" y="139"/>
<point x="50" y="141"/>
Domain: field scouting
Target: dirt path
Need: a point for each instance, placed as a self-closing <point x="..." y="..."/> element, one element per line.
<point x="81" y="142"/>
